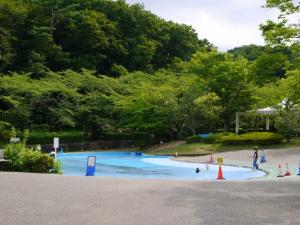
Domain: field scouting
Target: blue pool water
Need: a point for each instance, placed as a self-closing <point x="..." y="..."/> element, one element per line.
<point x="127" y="164"/>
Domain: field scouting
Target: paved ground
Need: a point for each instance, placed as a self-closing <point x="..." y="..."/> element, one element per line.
<point x="245" y="157"/>
<point x="32" y="199"/>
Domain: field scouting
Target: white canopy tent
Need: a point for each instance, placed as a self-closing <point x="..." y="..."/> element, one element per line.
<point x="267" y="112"/>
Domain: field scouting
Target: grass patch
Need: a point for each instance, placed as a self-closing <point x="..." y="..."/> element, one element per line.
<point x="206" y="149"/>
<point x="186" y="149"/>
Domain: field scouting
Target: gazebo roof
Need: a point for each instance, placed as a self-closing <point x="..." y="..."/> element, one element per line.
<point x="263" y="111"/>
<point x="270" y="110"/>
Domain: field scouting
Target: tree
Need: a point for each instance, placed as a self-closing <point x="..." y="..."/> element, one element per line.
<point x="249" y="52"/>
<point x="210" y="108"/>
<point x="288" y="122"/>
<point x="95" y="34"/>
<point x="227" y="78"/>
<point x="161" y="104"/>
<point x="282" y="32"/>
<point x="12" y="16"/>
<point x="269" y="68"/>
<point x="284" y="97"/>
<point x="55" y="108"/>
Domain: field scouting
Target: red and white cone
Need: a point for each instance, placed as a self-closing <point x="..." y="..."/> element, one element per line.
<point x="211" y="160"/>
<point x="280" y="171"/>
<point x="220" y="174"/>
<point x="287" y="173"/>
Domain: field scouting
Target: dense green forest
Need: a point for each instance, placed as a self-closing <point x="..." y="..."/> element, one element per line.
<point x="101" y="35"/>
<point x="104" y="66"/>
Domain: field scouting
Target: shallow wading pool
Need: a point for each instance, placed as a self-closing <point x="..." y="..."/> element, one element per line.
<point x="129" y="165"/>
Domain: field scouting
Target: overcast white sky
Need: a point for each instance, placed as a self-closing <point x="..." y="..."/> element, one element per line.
<point x="225" y="23"/>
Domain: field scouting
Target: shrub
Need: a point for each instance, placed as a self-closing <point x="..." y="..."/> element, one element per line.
<point x="143" y="143"/>
<point x="216" y="137"/>
<point x="288" y="123"/>
<point x="194" y="139"/>
<point x="255" y="138"/>
<point x="24" y="159"/>
<point x="142" y="140"/>
<point x="125" y="136"/>
<point x="46" y="137"/>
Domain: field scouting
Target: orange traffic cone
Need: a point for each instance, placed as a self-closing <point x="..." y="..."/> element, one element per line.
<point x="220" y="174"/>
<point x="211" y="160"/>
<point x="279" y="171"/>
<point x="287" y="173"/>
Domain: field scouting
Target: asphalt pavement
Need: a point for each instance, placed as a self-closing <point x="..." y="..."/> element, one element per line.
<point x="36" y="199"/>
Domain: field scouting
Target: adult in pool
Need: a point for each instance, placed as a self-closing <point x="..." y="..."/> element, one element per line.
<point x="197" y="170"/>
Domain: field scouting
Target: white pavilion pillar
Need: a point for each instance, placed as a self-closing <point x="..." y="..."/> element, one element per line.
<point x="267" y="123"/>
<point x="237" y="122"/>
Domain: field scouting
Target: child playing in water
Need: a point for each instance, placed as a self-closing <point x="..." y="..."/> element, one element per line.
<point x="255" y="158"/>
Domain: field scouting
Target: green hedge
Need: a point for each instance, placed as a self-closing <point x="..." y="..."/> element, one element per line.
<point x="209" y="140"/>
<point x="255" y="138"/>
<point x="22" y="159"/>
<point x="142" y="140"/>
<point x="216" y="137"/>
<point x="194" y="139"/>
<point x="46" y="137"/>
<point x="125" y="136"/>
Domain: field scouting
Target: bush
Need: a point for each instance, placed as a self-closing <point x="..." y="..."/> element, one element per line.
<point x="46" y="137"/>
<point x="24" y="159"/>
<point x="125" y="136"/>
<point x="194" y="139"/>
<point x="142" y="140"/>
<point x="216" y="137"/>
<point x="143" y="143"/>
<point x="213" y="138"/>
<point x="253" y="138"/>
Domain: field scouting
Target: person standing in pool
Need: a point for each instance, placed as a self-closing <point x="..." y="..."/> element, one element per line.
<point x="255" y="158"/>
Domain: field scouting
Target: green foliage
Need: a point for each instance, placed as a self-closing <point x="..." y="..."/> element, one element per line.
<point x="210" y="106"/>
<point x="13" y="132"/>
<point x="255" y="138"/>
<point x="160" y="104"/>
<point x="211" y="139"/>
<point x="269" y="68"/>
<point x="29" y="160"/>
<point x="23" y="159"/>
<point x="194" y="139"/>
<point x="160" y="79"/>
<point x="36" y="36"/>
<point x="214" y="138"/>
<point x="227" y="77"/>
<point x="281" y="31"/>
<point x="282" y="94"/>
<point x="249" y="52"/>
<point x="46" y="137"/>
<point x="288" y="123"/>
<point x="125" y="135"/>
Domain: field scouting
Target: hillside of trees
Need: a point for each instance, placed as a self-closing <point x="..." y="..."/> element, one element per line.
<point x="102" y="35"/>
<point x="104" y="66"/>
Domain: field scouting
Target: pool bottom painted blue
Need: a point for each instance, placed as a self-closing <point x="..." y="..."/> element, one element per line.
<point x="129" y="165"/>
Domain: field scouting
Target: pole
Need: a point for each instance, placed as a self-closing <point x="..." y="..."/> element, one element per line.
<point x="237" y="123"/>
<point x="268" y="123"/>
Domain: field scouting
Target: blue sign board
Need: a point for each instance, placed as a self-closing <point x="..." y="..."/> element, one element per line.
<point x="91" y="166"/>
